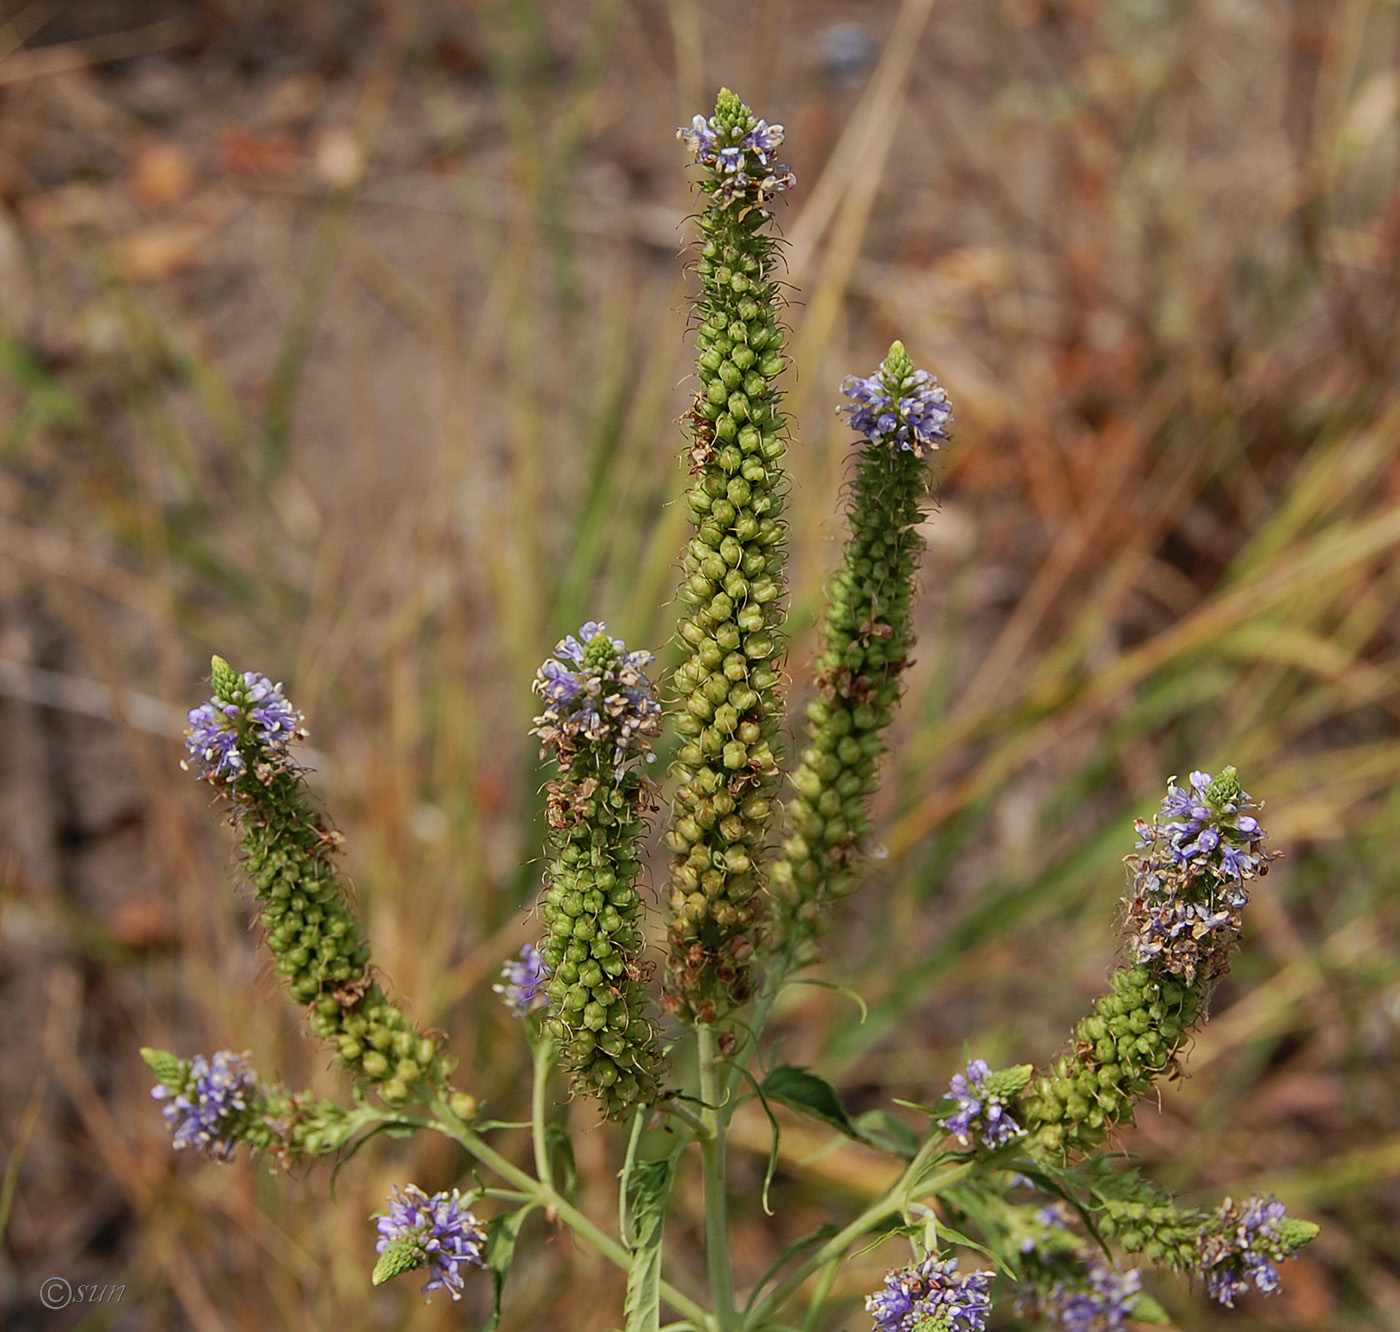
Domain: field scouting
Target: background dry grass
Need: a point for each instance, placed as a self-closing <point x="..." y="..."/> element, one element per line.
<point x="347" y="340"/>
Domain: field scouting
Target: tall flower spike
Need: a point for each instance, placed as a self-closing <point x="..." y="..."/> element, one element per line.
<point x="867" y="638"/>
<point x="241" y="739"/>
<point x="599" y="716"/>
<point x="438" y="1233"/>
<point x="727" y="688"/>
<point x="1183" y="919"/>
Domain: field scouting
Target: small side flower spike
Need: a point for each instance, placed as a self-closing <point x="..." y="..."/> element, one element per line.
<point x="899" y="406"/>
<point x="438" y="1233"/>
<point x="207" y="1101"/>
<point x="982" y="1097"/>
<point x="1242" y="1246"/>
<point x="600" y="713"/>
<point x="932" y="1296"/>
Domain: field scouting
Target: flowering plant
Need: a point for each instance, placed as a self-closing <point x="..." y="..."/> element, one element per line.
<point x="1009" y="1165"/>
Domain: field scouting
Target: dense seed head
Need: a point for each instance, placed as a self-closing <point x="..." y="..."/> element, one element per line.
<point x="727" y="690"/>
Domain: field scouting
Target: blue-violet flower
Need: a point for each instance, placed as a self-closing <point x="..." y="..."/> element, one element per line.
<point x="206" y="1114"/>
<point x="741" y="158"/>
<point x="439" y="1233"/>
<point x="1208" y="827"/>
<point x="597" y="696"/>
<point x="913" y="414"/>
<point x="522" y="982"/>
<point x="981" y="1105"/>
<point x="1099" y="1303"/>
<point x="1242" y="1246"/>
<point x="265" y="719"/>
<point x="1191" y="884"/>
<point x="931" y="1297"/>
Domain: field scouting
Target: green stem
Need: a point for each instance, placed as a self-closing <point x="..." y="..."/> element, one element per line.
<point x="814" y="1310"/>
<point x="674" y="1106"/>
<point x="777" y="973"/>
<point x="889" y="1203"/>
<point x="544" y="1061"/>
<point x="544" y="1194"/>
<point x="712" y="1154"/>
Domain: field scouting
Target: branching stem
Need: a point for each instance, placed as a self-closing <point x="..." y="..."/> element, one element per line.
<point x="446" y="1123"/>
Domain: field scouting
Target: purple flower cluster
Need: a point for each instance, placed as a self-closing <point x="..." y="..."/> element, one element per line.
<point x="258" y="715"/>
<point x="1202" y="849"/>
<point x="979" y="1108"/>
<point x="597" y="695"/>
<point x="439" y="1231"/>
<point x="209" y="1112"/>
<point x="931" y="1293"/>
<point x="1242" y="1247"/>
<point x="1208" y="827"/>
<point x="913" y="414"/>
<point x="1072" y="1287"/>
<point x="1098" y="1303"/>
<point x="741" y="158"/>
<point x="522" y="982"/>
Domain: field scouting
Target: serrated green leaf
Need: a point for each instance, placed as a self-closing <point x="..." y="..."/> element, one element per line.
<point x="401" y="1255"/>
<point x="501" y="1235"/>
<point x="651" y="1187"/>
<point x="802" y="1090"/>
<point x="880" y="1125"/>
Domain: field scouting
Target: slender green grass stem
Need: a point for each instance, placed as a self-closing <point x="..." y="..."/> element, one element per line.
<point x="712" y="1154"/>
<point x="446" y="1123"/>
<point x="544" y="1061"/>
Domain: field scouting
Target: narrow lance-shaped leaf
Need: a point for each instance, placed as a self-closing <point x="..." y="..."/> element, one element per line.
<point x="651" y="1187"/>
